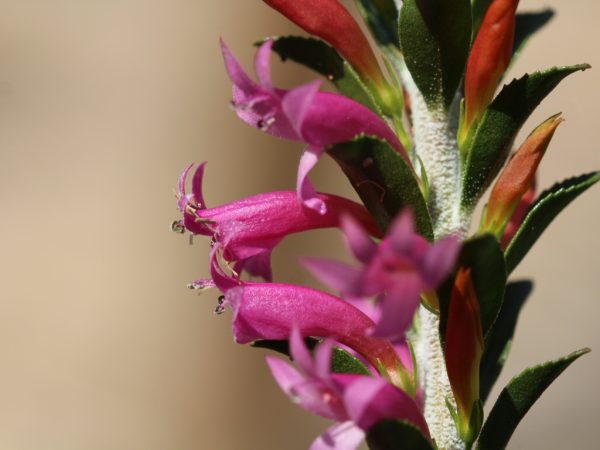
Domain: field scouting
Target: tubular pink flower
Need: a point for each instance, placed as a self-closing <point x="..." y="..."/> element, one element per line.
<point x="247" y="230"/>
<point x="302" y="114"/>
<point x="398" y="270"/>
<point x="270" y="311"/>
<point x="356" y="402"/>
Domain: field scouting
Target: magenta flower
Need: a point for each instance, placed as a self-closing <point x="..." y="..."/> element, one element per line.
<point x="398" y="270"/>
<point x="270" y="311"/>
<point x="355" y="402"/>
<point x="302" y="114"/>
<point x="247" y="230"/>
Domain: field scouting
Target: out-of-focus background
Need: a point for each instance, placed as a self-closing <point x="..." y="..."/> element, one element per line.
<point x="102" y="104"/>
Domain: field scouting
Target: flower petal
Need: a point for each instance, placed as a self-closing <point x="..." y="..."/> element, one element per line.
<point x="359" y="242"/>
<point x="306" y="191"/>
<point x="262" y="64"/>
<point x="338" y="276"/>
<point x="300" y="353"/>
<point x="341" y="436"/>
<point x="312" y="394"/>
<point x="370" y="400"/>
<point x="398" y="309"/>
<point x="439" y="260"/>
<point x="296" y="104"/>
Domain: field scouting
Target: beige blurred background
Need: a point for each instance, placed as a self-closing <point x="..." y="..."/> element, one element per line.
<point x="102" y="103"/>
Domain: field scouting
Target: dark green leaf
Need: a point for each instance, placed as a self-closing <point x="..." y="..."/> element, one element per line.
<point x="382" y="18"/>
<point x="324" y="59"/>
<point x="501" y="123"/>
<point x="517" y="398"/>
<point x="396" y="435"/>
<point x="435" y="36"/>
<point x="383" y="180"/>
<point x="341" y="360"/>
<point x="550" y="203"/>
<point x="479" y="9"/>
<point x="484" y="257"/>
<point x="501" y="335"/>
<point x="527" y="24"/>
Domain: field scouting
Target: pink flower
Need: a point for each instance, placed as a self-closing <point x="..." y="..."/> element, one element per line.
<point x="247" y="230"/>
<point x="398" y="270"/>
<point x="271" y="310"/>
<point x="355" y="402"/>
<point x="302" y="114"/>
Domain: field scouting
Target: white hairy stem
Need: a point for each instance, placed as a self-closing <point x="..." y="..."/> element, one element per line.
<point x="434" y="138"/>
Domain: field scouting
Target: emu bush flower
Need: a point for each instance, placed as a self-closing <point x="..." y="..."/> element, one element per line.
<point x="304" y="114"/>
<point x="398" y="270"/>
<point x="247" y="230"/>
<point x="409" y="350"/>
<point x="356" y="402"/>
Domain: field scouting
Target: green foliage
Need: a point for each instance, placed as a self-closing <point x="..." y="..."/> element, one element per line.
<point x="500" y="124"/>
<point x="383" y="180"/>
<point x="341" y="360"/>
<point x="550" y="203"/>
<point x="484" y="257"/>
<point x="396" y="435"/>
<point x="324" y="59"/>
<point x="500" y="336"/>
<point x="382" y="18"/>
<point x="435" y="37"/>
<point x="517" y="398"/>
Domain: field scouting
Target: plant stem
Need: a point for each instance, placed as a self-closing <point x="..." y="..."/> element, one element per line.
<point x="434" y="137"/>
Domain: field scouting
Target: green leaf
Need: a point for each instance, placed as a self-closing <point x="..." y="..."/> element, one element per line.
<point x="435" y="36"/>
<point x="517" y="398"/>
<point x="341" y="360"/>
<point x="479" y="8"/>
<point x="484" y="257"/>
<point x="383" y="180"/>
<point x="501" y="335"/>
<point x="382" y="18"/>
<point x="396" y="435"/>
<point x="549" y="204"/>
<point x="324" y="59"/>
<point x="500" y="124"/>
<point x="527" y="24"/>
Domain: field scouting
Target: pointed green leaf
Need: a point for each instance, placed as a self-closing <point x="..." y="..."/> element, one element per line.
<point x="501" y="123"/>
<point x="550" y="203"/>
<point x="324" y="59"/>
<point x="383" y="180"/>
<point x="341" y="360"/>
<point x="382" y="18"/>
<point x="527" y="24"/>
<point x="501" y="335"/>
<point x="484" y="257"/>
<point x="396" y="435"/>
<point x="479" y="8"/>
<point x="517" y="398"/>
<point x="435" y="36"/>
